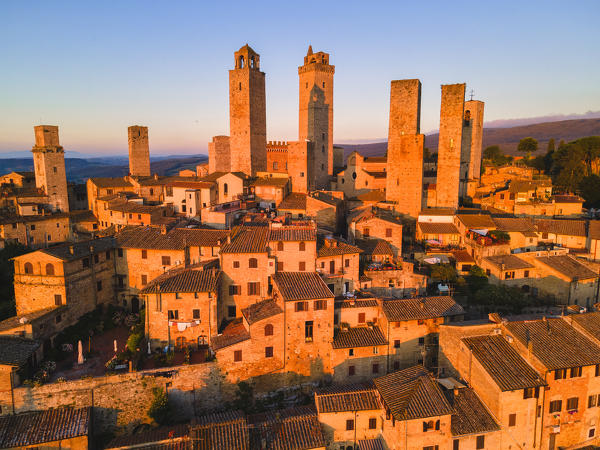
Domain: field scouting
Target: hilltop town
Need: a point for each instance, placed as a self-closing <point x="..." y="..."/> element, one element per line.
<point x="282" y="296"/>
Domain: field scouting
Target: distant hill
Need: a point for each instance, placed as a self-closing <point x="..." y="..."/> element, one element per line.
<point x="79" y="170"/>
<point x="506" y="138"/>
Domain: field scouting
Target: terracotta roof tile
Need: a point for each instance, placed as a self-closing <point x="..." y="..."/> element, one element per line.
<point x="462" y="256"/>
<point x="16" y="351"/>
<point x="514" y="224"/>
<point x="358" y="337"/>
<point x="272" y="181"/>
<point x="508" y="262"/>
<point x="155" y="435"/>
<point x="412" y="394"/>
<point x="334" y="247"/>
<point x="233" y="333"/>
<point x="301" y="286"/>
<point x="594" y="231"/>
<point x="555" y="343"/>
<point x="568" y="266"/>
<point x="293" y="233"/>
<point x="39" y="427"/>
<point x="470" y="414"/>
<point x="185" y="280"/>
<point x="221" y="432"/>
<point x="590" y="322"/>
<point x="355" y="397"/>
<point x="294" y="201"/>
<point x="261" y="310"/>
<point x="477" y="221"/>
<point x="358" y="303"/>
<point x="375" y="247"/>
<point x="437" y="228"/>
<point x="420" y="308"/>
<point x="371" y="444"/>
<point x="248" y="240"/>
<point x="175" y="239"/>
<point x="561" y="227"/>
<point x="503" y="363"/>
<point x="80" y="249"/>
<point x="107" y="182"/>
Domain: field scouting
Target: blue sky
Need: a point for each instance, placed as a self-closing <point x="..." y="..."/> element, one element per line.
<point x="93" y="68"/>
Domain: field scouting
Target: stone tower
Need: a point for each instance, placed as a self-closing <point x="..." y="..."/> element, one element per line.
<point x="139" y="151"/>
<point x="219" y="154"/>
<point x="316" y="112"/>
<point x="247" y="114"/>
<point x="405" y="148"/>
<point x="49" y="166"/>
<point x="449" y="146"/>
<point x="472" y="138"/>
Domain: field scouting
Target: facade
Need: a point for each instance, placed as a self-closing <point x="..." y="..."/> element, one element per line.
<point x="139" y="151"/>
<point x="219" y="154"/>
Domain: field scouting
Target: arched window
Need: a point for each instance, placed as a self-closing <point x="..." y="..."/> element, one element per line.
<point x="253" y="263"/>
<point x="280" y="246"/>
<point x="49" y="269"/>
<point x="28" y="267"/>
<point x="302" y="246"/>
<point x="252" y="62"/>
<point x="268" y="330"/>
<point x="225" y="189"/>
<point x="241" y="62"/>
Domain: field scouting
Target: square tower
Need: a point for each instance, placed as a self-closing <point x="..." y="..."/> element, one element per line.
<point x="247" y="114"/>
<point x="449" y="146"/>
<point x="316" y="112"/>
<point x="404" y="184"/>
<point x="139" y="151"/>
<point x="49" y="167"/>
<point x="219" y="155"/>
<point x="472" y="137"/>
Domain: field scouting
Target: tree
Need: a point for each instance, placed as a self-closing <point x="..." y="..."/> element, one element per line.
<point x="7" y="271"/>
<point x="495" y="155"/>
<point x="589" y="188"/>
<point x="550" y="145"/>
<point x="444" y="272"/>
<point x="160" y="410"/>
<point x="477" y="279"/>
<point x="527" y="145"/>
<point x="539" y="163"/>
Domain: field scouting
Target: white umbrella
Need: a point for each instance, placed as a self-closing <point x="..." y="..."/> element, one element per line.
<point x="80" y="356"/>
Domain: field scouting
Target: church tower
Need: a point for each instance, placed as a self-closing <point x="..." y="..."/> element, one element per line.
<point x="139" y="151"/>
<point x="49" y="167"/>
<point x="247" y="114"/>
<point x="316" y="112"/>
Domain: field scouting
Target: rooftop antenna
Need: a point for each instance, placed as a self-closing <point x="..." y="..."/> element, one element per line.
<point x="471" y="94"/>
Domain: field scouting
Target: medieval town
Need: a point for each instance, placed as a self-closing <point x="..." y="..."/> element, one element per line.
<point x="286" y="295"/>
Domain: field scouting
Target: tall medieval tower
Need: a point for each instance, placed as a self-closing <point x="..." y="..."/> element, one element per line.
<point x="49" y="166"/>
<point x="316" y="112"/>
<point x="472" y="140"/>
<point x="139" y="151"/>
<point x="449" y="146"/>
<point x="247" y="114"/>
<point x="405" y="148"/>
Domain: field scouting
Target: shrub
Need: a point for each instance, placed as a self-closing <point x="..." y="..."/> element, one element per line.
<point x="159" y="410"/>
<point x="133" y="341"/>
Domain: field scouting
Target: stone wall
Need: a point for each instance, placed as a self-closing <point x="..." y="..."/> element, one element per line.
<point x="139" y="151"/>
<point x="219" y="156"/>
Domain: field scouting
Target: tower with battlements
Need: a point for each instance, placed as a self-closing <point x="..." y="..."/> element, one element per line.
<point x="247" y="114"/>
<point x="139" y="151"/>
<point x="450" y="145"/>
<point x="316" y="113"/>
<point x="404" y="185"/>
<point x="49" y="167"/>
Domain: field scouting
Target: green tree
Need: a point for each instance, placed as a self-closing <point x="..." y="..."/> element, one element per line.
<point x="444" y="272"/>
<point x="7" y="272"/>
<point x="492" y="152"/>
<point x="160" y="410"/>
<point x="477" y="279"/>
<point x="589" y="188"/>
<point x="550" y="145"/>
<point x="539" y="163"/>
<point x="527" y="145"/>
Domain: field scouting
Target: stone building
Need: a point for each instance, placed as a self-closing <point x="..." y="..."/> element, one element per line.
<point x="405" y="148"/>
<point x="35" y="231"/>
<point x="219" y="154"/>
<point x="471" y="147"/>
<point x="325" y="208"/>
<point x="449" y="146"/>
<point x="301" y="165"/>
<point x="315" y="78"/>
<point x="49" y="166"/>
<point x="247" y="114"/>
<point x="277" y="157"/>
<point x="362" y="175"/>
<point x="372" y="223"/>
<point x="339" y="264"/>
<point x="139" y="151"/>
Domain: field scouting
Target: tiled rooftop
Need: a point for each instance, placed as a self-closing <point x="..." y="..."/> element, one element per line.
<point x="261" y="310"/>
<point x="568" y="266"/>
<point x="248" y="240"/>
<point x="334" y="247"/>
<point x="175" y="239"/>
<point x="508" y="262"/>
<point x="355" y="397"/>
<point x="590" y="322"/>
<point x="420" y="308"/>
<point x="185" y="280"/>
<point x="437" y="228"/>
<point x="561" y="227"/>
<point x="470" y="414"/>
<point x="358" y="337"/>
<point x="301" y="286"/>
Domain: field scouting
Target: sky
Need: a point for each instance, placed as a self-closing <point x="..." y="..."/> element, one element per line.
<point x="94" y="68"/>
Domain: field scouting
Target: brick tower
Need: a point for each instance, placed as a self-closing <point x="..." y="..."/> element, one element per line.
<point x="139" y="151"/>
<point x="49" y="166"/>
<point x="219" y="154"/>
<point x="472" y="137"/>
<point x="316" y="112"/>
<point x="405" y="148"/>
<point x="247" y="114"/>
<point x="449" y="146"/>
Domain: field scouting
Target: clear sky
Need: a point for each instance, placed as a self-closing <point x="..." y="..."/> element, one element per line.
<point x="96" y="67"/>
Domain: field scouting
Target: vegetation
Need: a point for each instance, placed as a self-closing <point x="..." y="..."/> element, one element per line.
<point x="160" y="410"/>
<point x="7" y="273"/>
<point x="494" y="155"/>
<point x="444" y="272"/>
<point x="528" y="145"/>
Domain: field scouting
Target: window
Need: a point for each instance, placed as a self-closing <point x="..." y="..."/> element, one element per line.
<point x="350" y="352"/>
<point x="372" y="423"/>
<point x="366" y="232"/>
<point x="280" y="246"/>
<point x="592" y="432"/>
<point x="32" y="227"/>
<point x="252" y="263"/>
<point x="427" y="426"/>
<point x="572" y="403"/>
<point x="107" y="255"/>
<point x="512" y="420"/>
<point x="301" y="306"/>
<point x="308" y="331"/>
<point x="397" y="343"/>
<point x="173" y="314"/>
<point x="526" y="274"/>
<point x="576" y="372"/>
<point x="375" y="368"/>
<point x="560" y="374"/>
<point x="320" y="305"/>
<point x="99" y="286"/>
<point x="236" y="264"/>
<point x="275" y="165"/>
<point x="96" y="259"/>
<point x="144" y="280"/>
<point x="531" y="392"/>
<point x="237" y="355"/>
<point x="268" y="352"/>
<point x="480" y="444"/>
<point x="597" y="370"/>
<point x="268" y="330"/>
<point x="231" y="311"/>
<point x="120" y="252"/>
<point x="361" y="318"/>
<point x="555" y="406"/>
<point x="57" y="299"/>
<point x="302" y="266"/>
<point x="166" y="260"/>
<point x="85" y="263"/>
<point x="347" y="263"/>
<point x="302" y="246"/>
<point x="455" y="444"/>
<point x="254" y="288"/>
<point x="279" y="266"/>
<point x="349" y="424"/>
<point x="421" y="341"/>
<point x="592" y="401"/>
<point x="144" y="254"/>
<point x="28" y="268"/>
